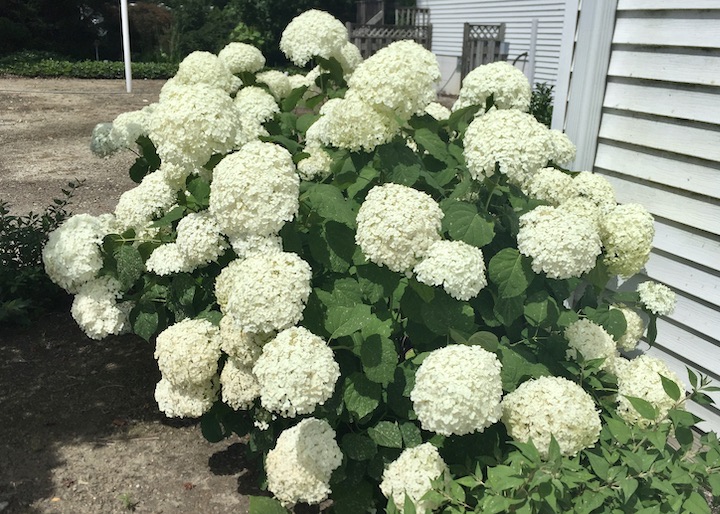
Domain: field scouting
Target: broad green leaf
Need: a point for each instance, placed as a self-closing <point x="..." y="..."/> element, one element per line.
<point x="171" y="216"/>
<point x="431" y="142"/>
<point x="643" y="407"/>
<point x="290" y="101"/>
<point x="541" y="310"/>
<point x="345" y="292"/>
<point x="409" y="505"/>
<point x="379" y="358"/>
<point x="199" y="190"/>
<point x="628" y="486"/>
<point x="444" y="313"/>
<point x="460" y="119"/>
<point x="358" y="447"/>
<point x="612" y="320"/>
<point x="511" y="272"/>
<point x="145" y="319"/>
<point x="404" y="174"/>
<point x="398" y="392"/>
<point x="507" y="310"/>
<point x="376" y="282"/>
<point x="487" y="340"/>
<point x="329" y="203"/>
<point x="411" y="434"/>
<point x="130" y="266"/>
<point x="502" y="478"/>
<point x="386" y="433"/>
<point x="265" y="505"/>
<point x="305" y="121"/>
<point x="182" y="294"/>
<point x="619" y="430"/>
<point x="343" y="321"/>
<point x="518" y="364"/>
<point x="361" y="396"/>
<point x="463" y="222"/>
<point x="696" y="504"/>
<point x="351" y="497"/>
<point x="671" y="388"/>
<point x="599" y="465"/>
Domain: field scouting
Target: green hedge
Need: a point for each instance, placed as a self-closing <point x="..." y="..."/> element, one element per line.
<point x="87" y="69"/>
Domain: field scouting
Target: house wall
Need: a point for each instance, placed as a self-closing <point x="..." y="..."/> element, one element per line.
<point x="658" y="143"/>
<point x="448" y="16"/>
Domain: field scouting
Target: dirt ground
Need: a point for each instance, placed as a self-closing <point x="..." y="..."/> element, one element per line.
<point x="80" y="431"/>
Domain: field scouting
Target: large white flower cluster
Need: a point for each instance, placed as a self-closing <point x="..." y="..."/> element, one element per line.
<point x="349" y="57"/>
<point x="313" y="34"/>
<point x="352" y="124"/>
<point x="188" y="352"/>
<point x="658" y="298"/>
<point x="129" y="126"/>
<point x="264" y="292"/>
<point x="398" y="80"/>
<point x="562" y="149"/>
<point x="72" y="254"/>
<point x="456" y="266"/>
<point x="640" y="378"/>
<point x="277" y="82"/>
<point x="550" y="185"/>
<point x="299" y="467"/>
<point x="595" y="187"/>
<point x="208" y="69"/>
<point x="635" y="328"/>
<point x="316" y="165"/>
<point x="96" y="309"/>
<point x="515" y="140"/>
<point x="185" y="401"/>
<point x="561" y="243"/>
<point x="507" y="85"/>
<point x="168" y="260"/>
<point x="255" y="190"/>
<point x="552" y="406"/>
<point x="199" y="239"/>
<point x="239" y="386"/>
<point x="256" y="106"/>
<point x="411" y="475"/>
<point x="591" y="341"/>
<point x="396" y="225"/>
<point x="191" y="123"/>
<point x="452" y="403"/>
<point x="150" y="199"/>
<point x="296" y="372"/>
<point x="627" y="233"/>
<point x="244" y="347"/>
<point x="241" y="58"/>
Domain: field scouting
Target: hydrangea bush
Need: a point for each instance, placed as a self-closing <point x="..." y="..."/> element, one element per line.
<point x="402" y="307"/>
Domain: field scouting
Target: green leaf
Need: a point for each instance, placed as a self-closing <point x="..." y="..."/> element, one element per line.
<point x="170" y="217"/>
<point x="408" y="505"/>
<point x="265" y="505"/>
<point x="487" y="340"/>
<point x="377" y="282"/>
<point x="343" y="321"/>
<point x="379" y="358"/>
<point x="361" y="396"/>
<point x="511" y="272"/>
<point x="386" y="433"/>
<point x="463" y="222"/>
<point x="643" y="407"/>
<point x="444" y="313"/>
<point x="517" y="364"/>
<point x="199" y="190"/>
<point x="628" y="486"/>
<point x="351" y="498"/>
<point x="502" y="478"/>
<point x="619" y="430"/>
<point x="411" y="434"/>
<point x="130" y="265"/>
<point x="696" y="504"/>
<point x="599" y="465"/>
<point x="612" y="320"/>
<point x="406" y="175"/>
<point x="290" y="101"/>
<point x="431" y="142"/>
<point x="460" y="119"/>
<point x="541" y="310"/>
<point x="358" y="447"/>
<point x="328" y="202"/>
<point x="671" y="388"/>
<point x="507" y="310"/>
<point x="345" y="292"/>
<point x="182" y="294"/>
<point x="305" y="121"/>
<point x="145" y="319"/>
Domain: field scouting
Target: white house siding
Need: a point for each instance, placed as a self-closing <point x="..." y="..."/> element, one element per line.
<point x="448" y="17"/>
<point x="659" y="144"/>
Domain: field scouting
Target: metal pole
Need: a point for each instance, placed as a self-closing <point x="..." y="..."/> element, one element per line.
<point x="126" y="44"/>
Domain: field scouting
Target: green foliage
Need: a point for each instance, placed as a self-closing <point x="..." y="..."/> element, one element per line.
<point x="25" y="290"/>
<point x="541" y="103"/>
<point x="50" y="67"/>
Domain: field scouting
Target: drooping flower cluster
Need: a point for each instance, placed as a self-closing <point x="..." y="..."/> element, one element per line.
<point x="507" y="85"/>
<point x="591" y="341"/>
<point x="313" y="33"/>
<point x="241" y="58"/>
<point x="299" y="467"/>
<point x="96" y="308"/>
<point x="452" y="403"/>
<point x="552" y="407"/>
<point x="658" y="298"/>
<point x="456" y="266"/>
<point x="411" y="474"/>
<point x="397" y="225"/>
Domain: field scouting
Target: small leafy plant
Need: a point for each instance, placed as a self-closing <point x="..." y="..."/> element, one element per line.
<point x="541" y="103"/>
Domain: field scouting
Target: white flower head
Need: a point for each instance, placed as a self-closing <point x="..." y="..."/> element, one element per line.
<point x="199" y="239"/>
<point x="129" y="126"/>
<point x="241" y="57"/>
<point x="552" y="406"/>
<point x="591" y="340"/>
<point x="296" y="372"/>
<point x="456" y="266"/>
<point x="276" y="81"/>
<point x="561" y="243"/>
<point x="239" y="387"/>
<point x="562" y="149"/>
<point x="635" y="328"/>
<point x="349" y="57"/>
<point x="299" y="467"/>
<point x="256" y="106"/>
<point x="550" y="185"/>
<point x="97" y="311"/>
<point x="167" y="259"/>
<point x="186" y="401"/>
<point x="137" y="207"/>
<point x="264" y="292"/>
<point x="437" y="111"/>
<point x="627" y="233"/>
<point x="594" y="187"/>
<point x="206" y="68"/>
<point x="657" y="298"/>
<point x="411" y="475"/>
<point x="451" y="403"/>
<point x="243" y="347"/>
<point x="188" y="352"/>
<point x="507" y="85"/>
<point x="317" y="165"/>
<point x="397" y="225"/>
<point x="313" y="33"/>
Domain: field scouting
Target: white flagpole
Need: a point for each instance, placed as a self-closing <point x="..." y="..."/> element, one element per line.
<point x="126" y="44"/>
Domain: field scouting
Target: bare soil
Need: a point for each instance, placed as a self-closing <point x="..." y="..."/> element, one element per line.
<point x="80" y="431"/>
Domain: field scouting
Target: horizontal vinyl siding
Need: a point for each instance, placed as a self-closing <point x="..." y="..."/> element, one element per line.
<point x="448" y="17"/>
<point x="659" y="145"/>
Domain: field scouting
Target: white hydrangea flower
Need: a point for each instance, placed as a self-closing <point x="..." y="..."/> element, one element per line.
<point x="72" y="254"/>
<point x="175" y="174"/>
<point x="627" y="233"/>
<point x="299" y="467"/>
<point x="640" y="378"/>
<point x="398" y="80"/>
<point x="101" y="144"/>
<point x="562" y="149"/>
<point x="137" y="207"/>
<point x="508" y="86"/>
<point x="167" y="259"/>
<point x="313" y="34"/>
<point x="437" y="111"/>
<point x="552" y="406"/>
<point x="411" y="474"/>
<point x="352" y="124"/>
<point x="513" y="139"/>
<point x="450" y="402"/>
<point x="239" y="387"/>
<point x="96" y="310"/>
<point x="550" y="185"/>
<point x="634" y="331"/>
<point x="188" y="352"/>
<point x="296" y="372"/>
<point x="241" y="57"/>
<point x="349" y="57"/>
<point x="397" y="225"/>
<point x="591" y="340"/>
<point x="256" y="106"/>
<point x="585" y="208"/>
<point x="264" y="292"/>
<point x="658" y="298"/>
<point x="594" y="187"/>
<point x="560" y="243"/>
<point x="199" y="239"/>
<point x="456" y="266"/>
<point x="191" y="123"/>
<point x="243" y="347"/>
<point x="185" y="401"/>
<point x="315" y="166"/>
<point x="206" y="69"/>
<point x="276" y="81"/>
<point x="129" y="126"/>
<point x="255" y="190"/>
<point x="245" y="245"/>
<point x="298" y="80"/>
